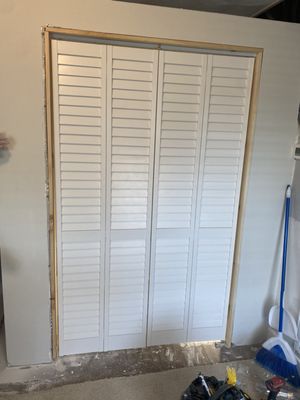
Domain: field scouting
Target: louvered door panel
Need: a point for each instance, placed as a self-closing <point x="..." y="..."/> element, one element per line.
<point x="79" y="76"/>
<point x="179" y="120"/>
<point x="229" y="81"/>
<point x="145" y="235"/>
<point x="131" y="126"/>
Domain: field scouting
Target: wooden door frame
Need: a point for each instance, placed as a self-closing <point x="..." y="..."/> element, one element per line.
<point x="48" y="34"/>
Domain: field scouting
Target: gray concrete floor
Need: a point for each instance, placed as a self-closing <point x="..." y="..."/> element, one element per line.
<point x="152" y="373"/>
<point x="112" y="364"/>
<point x="166" y="385"/>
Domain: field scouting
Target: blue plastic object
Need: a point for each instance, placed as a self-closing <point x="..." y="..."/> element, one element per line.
<point x="284" y="255"/>
<point x="276" y="355"/>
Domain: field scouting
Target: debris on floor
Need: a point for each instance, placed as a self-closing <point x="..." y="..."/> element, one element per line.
<point x="165" y="385"/>
<point x="160" y="373"/>
<point x="94" y="366"/>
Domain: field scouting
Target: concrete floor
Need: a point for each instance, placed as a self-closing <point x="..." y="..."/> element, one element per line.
<point x="166" y="385"/>
<point x="152" y="373"/>
<point x="112" y="364"/>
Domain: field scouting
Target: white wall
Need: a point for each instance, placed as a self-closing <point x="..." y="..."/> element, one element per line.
<point x="293" y="265"/>
<point x="23" y="212"/>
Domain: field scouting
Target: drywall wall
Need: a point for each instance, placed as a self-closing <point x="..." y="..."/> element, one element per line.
<point x="295" y="214"/>
<point x="23" y="212"/>
<point x="293" y="265"/>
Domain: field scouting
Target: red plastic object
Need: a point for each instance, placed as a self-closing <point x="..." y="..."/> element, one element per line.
<point x="275" y="384"/>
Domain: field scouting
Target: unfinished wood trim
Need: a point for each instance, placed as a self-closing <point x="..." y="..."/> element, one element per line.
<point x="51" y="196"/>
<point x="152" y="40"/>
<point x="243" y="196"/>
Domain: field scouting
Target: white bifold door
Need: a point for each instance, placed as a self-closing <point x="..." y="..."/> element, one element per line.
<point x="149" y="149"/>
<point x="131" y="104"/>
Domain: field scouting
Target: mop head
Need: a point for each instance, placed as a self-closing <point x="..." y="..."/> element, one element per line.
<point x="277" y="357"/>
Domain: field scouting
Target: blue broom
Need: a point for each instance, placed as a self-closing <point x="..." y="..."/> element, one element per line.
<point x="276" y="354"/>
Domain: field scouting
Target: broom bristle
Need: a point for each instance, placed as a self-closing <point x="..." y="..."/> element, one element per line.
<point x="273" y="361"/>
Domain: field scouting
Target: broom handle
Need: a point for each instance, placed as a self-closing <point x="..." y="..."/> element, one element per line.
<point x="284" y="255"/>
